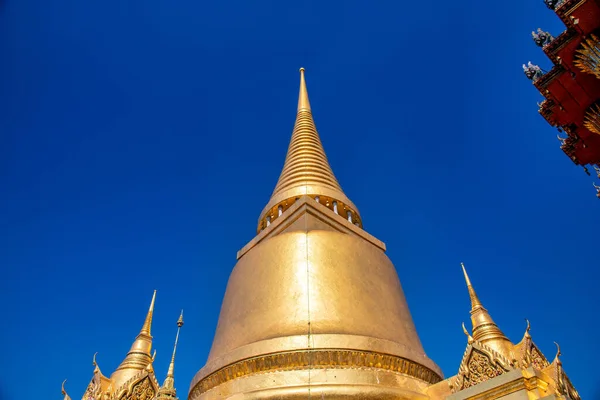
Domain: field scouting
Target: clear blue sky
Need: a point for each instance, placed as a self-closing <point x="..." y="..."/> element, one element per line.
<point x="139" y="141"/>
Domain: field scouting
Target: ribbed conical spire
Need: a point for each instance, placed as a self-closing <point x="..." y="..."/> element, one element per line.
<point x="485" y="329"/>
<point x="167" y="390"/>
<point x="306" y="170"/>
<point x="138" y="357"/>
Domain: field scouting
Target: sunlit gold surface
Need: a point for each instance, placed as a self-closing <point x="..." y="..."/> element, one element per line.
<point x="588" y="56"/>
<point x="139" y="356"/>
<point x="313" y="306"/>
<point x="315" y="287"/>
<point x="485" y="329"/>
<point x="167" y="391"/>
<point x="592" y="118"/>
<point x="306" y="170"/>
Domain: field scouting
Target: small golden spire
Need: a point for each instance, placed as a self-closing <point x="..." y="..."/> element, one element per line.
<point x="485" y="329"/>
<point x="63" y="391"/>
<point x="168" y="388"/>
<point x="306" y="170"/>
<point x="138" y="357"/>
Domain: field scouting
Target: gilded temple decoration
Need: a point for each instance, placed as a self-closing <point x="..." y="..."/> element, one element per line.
<point x="479" y="364"/>
<point x="143" y="390"/>
<point x="167" y="390"/>
<point x="588" y="56"/>
<point x="528" y="354"/>
<point x="485" y="329"/>
<point x="306" y="171"/>
<point x="64" y="392"/>
<point x="563" y="384"/>
<point x="592" y="118"/>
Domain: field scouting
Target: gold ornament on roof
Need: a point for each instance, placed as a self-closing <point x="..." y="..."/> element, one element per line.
<point x="64" y="392"/>
<point x="588" y="56"/>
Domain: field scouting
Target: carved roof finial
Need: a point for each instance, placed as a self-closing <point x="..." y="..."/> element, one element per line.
<point x="466" y="332"/>
<point x="527" y="334"/>
<point x="63" y="391"/>
<point x="558" y="354"/>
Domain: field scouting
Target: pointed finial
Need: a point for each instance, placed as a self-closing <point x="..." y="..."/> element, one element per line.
<point x="139" y="355"/>
<point x="64" y="392"/>
<point x="95" y="364"/>
<point x="180" y="320"/>
<point x="148" y="322"/>
<point x="303" y="103"/>
<point x="528" y="325"/>
<point x="558" y="352"/>
<point x="485" y="329"/>
<point x="474" y="299"/>
<point x="466" y="332"/>
<point x="154" y="355"/>
<point x="168" y="386"/>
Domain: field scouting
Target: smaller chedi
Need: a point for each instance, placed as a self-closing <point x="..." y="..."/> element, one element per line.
<point x="134" y="379"/>
<point x="494" y="368"/>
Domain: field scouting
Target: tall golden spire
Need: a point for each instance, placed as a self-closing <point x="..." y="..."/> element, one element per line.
<point x="306" y="170"/>
<point x="138" y="357"/>
<point x="485" y="329"/>
<point x="168" y="388"/>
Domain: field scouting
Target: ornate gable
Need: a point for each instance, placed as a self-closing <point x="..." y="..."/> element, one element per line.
<point x="479" y="364"/>
<point x="143" y="386"/>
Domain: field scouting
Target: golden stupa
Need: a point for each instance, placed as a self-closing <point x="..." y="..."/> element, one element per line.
<point x="313" y="300"/>
<point x="314" y="309"/>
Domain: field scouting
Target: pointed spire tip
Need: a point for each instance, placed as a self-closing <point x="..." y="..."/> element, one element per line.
<point x="148" y="322"/>
<point x="466" y="275"/>
<point x="303" y="103"/>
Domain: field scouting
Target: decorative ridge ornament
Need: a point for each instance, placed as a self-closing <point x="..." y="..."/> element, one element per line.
<point x="532" y="72"/>
<point x="306" y="171"/>
<point x="64" y="392"/>
<point x="542" y="38"/>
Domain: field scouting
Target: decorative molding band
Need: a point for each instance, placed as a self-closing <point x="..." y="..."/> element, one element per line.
<point x="314" y="359"/>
